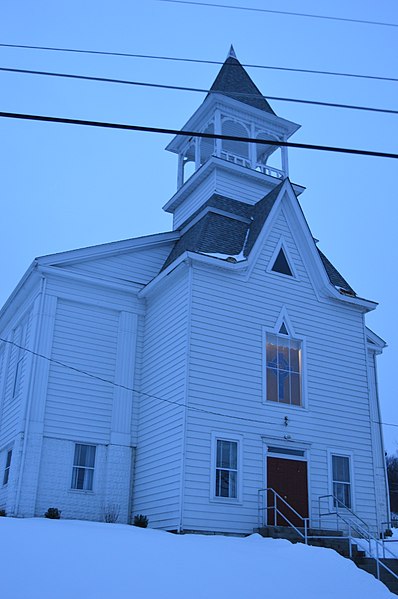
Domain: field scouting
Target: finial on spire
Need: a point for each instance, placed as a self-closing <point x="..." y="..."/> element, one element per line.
<point x="231" y="52"/>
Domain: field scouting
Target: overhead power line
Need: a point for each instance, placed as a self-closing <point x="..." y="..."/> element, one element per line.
<point x="237" y="95"/>
<point x="150" y="395"/>
<point x="281" y="12"/>
<point x="127" y="388"/>
<point x="198" y="61"/>
<point x="126" y="127"/>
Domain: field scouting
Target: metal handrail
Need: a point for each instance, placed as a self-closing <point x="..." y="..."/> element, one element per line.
<point x="364" y="531"/>
<point x="342" y="504"/>
<point x="277" y="511"/>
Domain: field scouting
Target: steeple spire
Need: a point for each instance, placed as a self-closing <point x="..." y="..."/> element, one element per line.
<point x="231" y="52"/>
<point x="233" y="81"/>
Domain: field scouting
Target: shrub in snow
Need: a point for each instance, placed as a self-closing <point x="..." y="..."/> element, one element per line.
<point x="141" y="521"/>
<point x="111" y="513"/>
<point x="53" y="513"/>
<point x="3" y="513"/>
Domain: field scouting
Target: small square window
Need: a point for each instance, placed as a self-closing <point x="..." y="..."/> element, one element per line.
<point x="83" y="467"/>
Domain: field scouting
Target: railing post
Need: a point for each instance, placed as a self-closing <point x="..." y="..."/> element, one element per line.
<point x="377" y="560"/>
<point x="275" y="508"/>
<point x="305" y="531"/>
<point x="349" y="539"/>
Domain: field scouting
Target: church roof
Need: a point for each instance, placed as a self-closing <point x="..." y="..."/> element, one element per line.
<point x="233" y="81"/>
<point x="229" y="228"/>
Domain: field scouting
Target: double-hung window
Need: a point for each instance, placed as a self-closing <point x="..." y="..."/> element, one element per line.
<point x="341" y="481"/>
<point x="83" y="467"/>
<point x="6" y="475"/>
<point x="226" y="483"/>
<point x="284" y="368"/>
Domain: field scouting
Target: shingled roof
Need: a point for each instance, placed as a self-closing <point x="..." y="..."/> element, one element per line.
<point x="233" y="81"/>
<point x="229" y="228"/>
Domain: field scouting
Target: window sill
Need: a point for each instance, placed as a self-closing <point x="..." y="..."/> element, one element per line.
<point x="285" y="406"/>
<point x="226" y="500"/>
<point x="80" y="491"/>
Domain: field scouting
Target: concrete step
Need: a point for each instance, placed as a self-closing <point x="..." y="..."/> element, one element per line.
<point x="285" y="532"/>
<point x="338" y="544"/>
<point x="369" y="565"/>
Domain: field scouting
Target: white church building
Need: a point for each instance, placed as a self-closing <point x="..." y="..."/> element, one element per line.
<point x="180" y="374"/>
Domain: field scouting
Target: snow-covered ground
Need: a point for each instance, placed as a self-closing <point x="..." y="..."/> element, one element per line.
<point x="69" y="559"/>
<point x="390" y="546"/>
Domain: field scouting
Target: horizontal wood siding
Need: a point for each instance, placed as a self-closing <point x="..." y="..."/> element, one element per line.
<point x="13" y="389"/>
<point x="80" y="406"/>
<point x="226" y="377"/>
<point x="233" y="185"/>
<point x="195" y="200"/>
<point x="160" y="426"/>
<point x="138" y="266"/>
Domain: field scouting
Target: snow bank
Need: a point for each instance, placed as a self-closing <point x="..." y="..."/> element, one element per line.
<point x="65" y="559"/>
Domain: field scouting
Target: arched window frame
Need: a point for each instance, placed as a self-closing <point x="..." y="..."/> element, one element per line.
<point x="274" y="395"/>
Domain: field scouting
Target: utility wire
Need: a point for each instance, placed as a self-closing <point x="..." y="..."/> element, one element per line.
<point x="198" y="61"/>
<point x="280" y="12"/>
<point x="237" y="95"/>
<point x="131" y="389"/>
<point x="270" y="142"/>
<point x="125" y="387"/>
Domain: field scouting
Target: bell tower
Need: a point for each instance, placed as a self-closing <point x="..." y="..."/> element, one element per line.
<point x="238" y="170"/>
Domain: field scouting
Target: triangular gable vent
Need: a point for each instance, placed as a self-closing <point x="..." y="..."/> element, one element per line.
<point x="281" y="264"/>
<point x="283" y="330"/>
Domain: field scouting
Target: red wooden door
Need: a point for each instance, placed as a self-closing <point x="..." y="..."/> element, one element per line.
<point x="289" y="479"/>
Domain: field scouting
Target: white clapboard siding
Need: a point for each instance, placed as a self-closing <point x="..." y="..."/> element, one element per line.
<point x="229" y="314"/>
<point x="160" y="428"/>
<point x="139" y="266"/>
<point x="229" y="184"/>
<point x="13" y="390"/>
<point x="79" y="406"/>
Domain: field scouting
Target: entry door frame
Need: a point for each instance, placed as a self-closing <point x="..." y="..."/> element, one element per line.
<point x="287" y="445"/>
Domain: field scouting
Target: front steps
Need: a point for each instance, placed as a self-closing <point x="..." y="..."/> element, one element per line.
<point x="339" y="544"/>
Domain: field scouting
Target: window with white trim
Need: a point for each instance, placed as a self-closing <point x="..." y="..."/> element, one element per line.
<point x="226" y="474"/>
<point x="284" y="367"/>
<point x="83" y="467"/>
<point x="6" y="475"/>
<point x="341" y="481"/>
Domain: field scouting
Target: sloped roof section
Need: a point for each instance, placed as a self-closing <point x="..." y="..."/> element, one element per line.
<point x="261" y="212"/>
<point x="335" y="277"/>
<point x="234" y="234"/>
<point x="212" y="234"/>
<point x="232" y="81"/>
<point x="222" y="203"/>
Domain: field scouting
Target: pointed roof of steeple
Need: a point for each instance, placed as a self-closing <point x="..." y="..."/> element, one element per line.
<point x="232" y="81"/>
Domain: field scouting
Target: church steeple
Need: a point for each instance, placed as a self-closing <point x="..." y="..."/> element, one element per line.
<point x="233" y="81"/>
<point x="234" y="106"/>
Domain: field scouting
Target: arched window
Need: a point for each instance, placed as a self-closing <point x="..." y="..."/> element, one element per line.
<point x="237" y="148"/>
<point x="207" y="146"/>
<point x="283" y="366"/>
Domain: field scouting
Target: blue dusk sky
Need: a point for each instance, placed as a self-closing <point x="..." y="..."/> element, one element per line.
<point x="65" y="187"/>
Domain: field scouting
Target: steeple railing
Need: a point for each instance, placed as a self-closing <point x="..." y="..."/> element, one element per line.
<point x="265" y="169"/>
